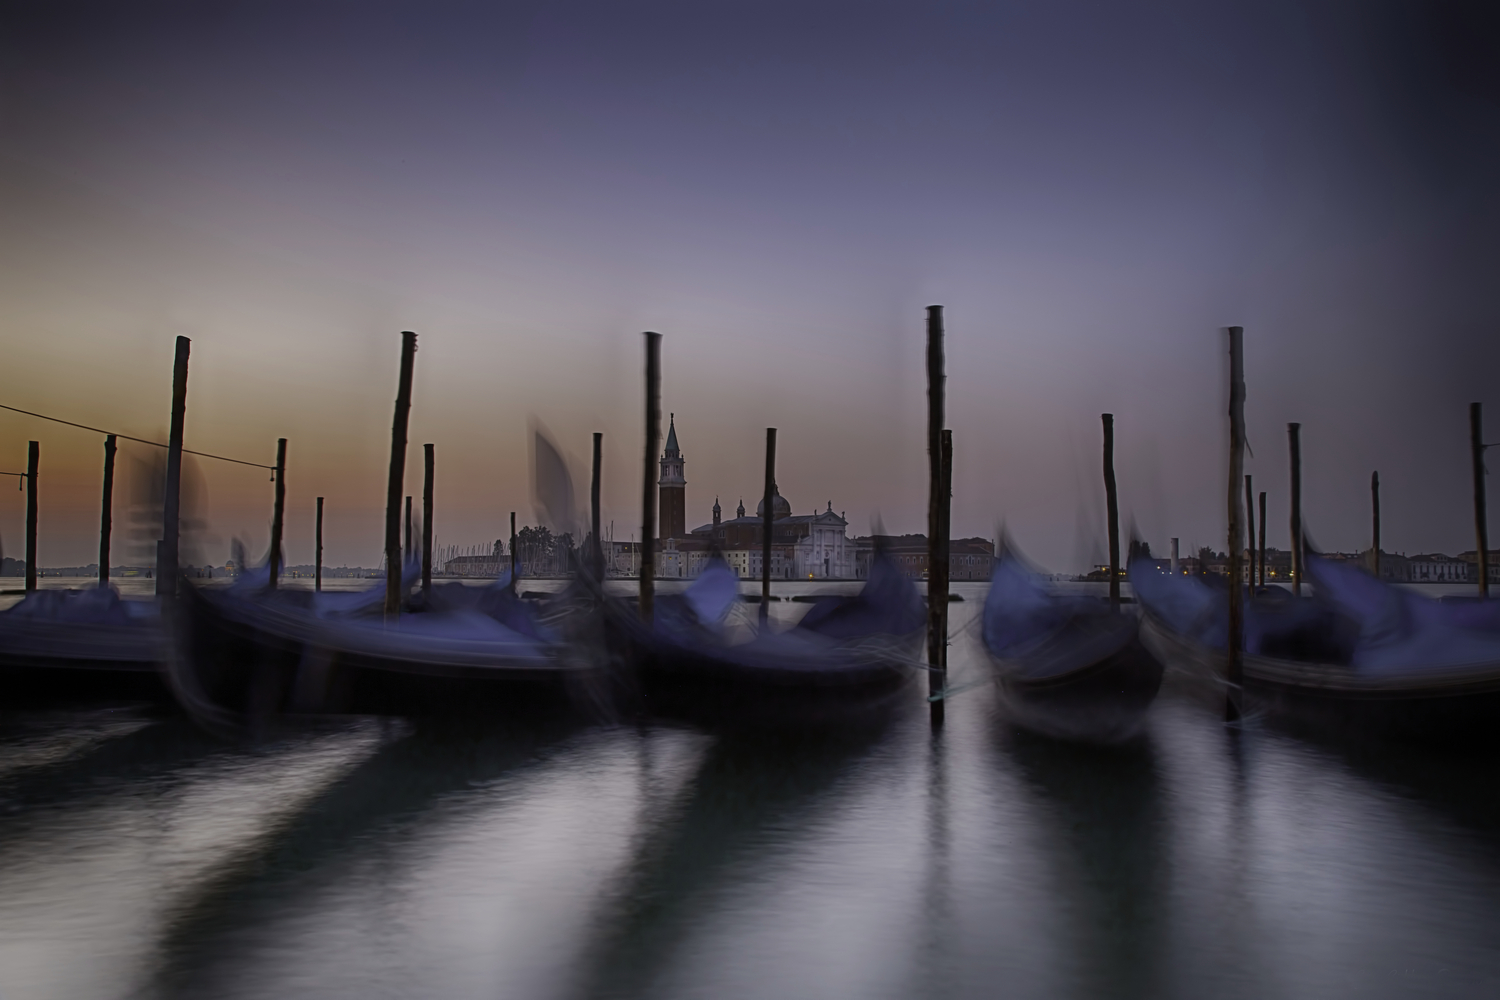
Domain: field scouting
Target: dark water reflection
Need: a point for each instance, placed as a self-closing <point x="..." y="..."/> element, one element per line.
<point x="375" y="859"/>
<point x="1103" y="811"/>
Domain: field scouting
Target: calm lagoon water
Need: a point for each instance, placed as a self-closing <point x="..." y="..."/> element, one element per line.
<point x="384" y="859"/>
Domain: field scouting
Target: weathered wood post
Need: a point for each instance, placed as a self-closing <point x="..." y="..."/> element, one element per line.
<point x="33" y="460"/>
<point x="1112" y="506"/>
<point x="938" y="577"/>
<point x="397" y="476"/>
<point x="648" y="486"/>
<point x="1481" y="521"/>
<point x="106" y="509"/>
<point x="937" y="504"/>
<point x="1294" y="439"/>
<point x="278" y="512"/>
<point x="166" y="553"/>
<point x="1232" y="707"/>
<point x="596" y="554"/>
<point x="1250" y="531"/>
<point x="428" y="458"/>
<point x="767" y="523"/>
<point x="512" y="552"/>
<point x="407" y="552"/>
<point x="1375" y="524"/>
<point x="318" y="550"/>
<point x="1262" y="555"/>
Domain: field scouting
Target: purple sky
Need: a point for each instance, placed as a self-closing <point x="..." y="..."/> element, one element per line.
<point x="1091" y="190"/>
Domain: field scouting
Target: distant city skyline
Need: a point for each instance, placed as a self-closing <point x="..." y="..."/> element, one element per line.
<point x="780" y="189"/>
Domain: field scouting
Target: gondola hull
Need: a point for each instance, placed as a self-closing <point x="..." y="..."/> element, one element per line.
<point x="50" y="660"/>
<point x="1454" y="705"/>
<point x="786" y="680"/>
<point x="1102" y="700"/>
<point x="239" y="665"/>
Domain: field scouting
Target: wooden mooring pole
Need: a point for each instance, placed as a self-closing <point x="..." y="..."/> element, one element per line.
<point x="596" y="551"/>
<point x="512" y="552"/>
<point x="1375" y="524"/>
<point x="1261" y="555"/>
<point x="648" y="488"/>
<point x="166" y="555"/>
<point x="428" y="460"/>
<point x="278" y="512"/>
<point x="1481" y="520"/>
<point x="767" y="526"/>
<point x="318" y="549"/>
<point x="1250" y="531"/>
<point x="1294" y="441"/>
<point x="1112" y="507"/>
<point x="397" y="476"/>
<point x="407" y="552"/>
<point x="937" y="509"/>
<point x="1233" y="705"/>
<point x="939" y="576"/>
<point x="106" y="509"/>
<point x="33" y="461"/>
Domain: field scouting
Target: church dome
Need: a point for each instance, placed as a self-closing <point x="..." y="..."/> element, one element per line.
<point x="779" y="507"/>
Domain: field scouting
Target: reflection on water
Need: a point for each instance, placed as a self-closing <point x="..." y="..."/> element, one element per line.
<point x="378" y="858"/>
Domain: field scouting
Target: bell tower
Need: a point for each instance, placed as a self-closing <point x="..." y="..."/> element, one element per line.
<point x="672" y="488"/>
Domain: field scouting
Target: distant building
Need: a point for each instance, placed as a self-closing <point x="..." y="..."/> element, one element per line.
<point x="812" y="546"/>
<point x="1471" y="559"/>
<point x="1434" y="567"/>
<point x="622" y="558"/>
<point x="487" y="565"/>
<point x="671" y="488"/>
<point x="968" y="558"/>
<point x="1393" y="568"/>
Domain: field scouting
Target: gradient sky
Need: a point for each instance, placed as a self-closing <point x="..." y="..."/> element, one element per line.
<point x="1092" y="190"/>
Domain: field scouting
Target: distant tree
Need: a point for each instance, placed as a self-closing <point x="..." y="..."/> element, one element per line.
<point x="1139" y="550"/>
<point x="499" y="548"/>
<point x="534" y="548"/>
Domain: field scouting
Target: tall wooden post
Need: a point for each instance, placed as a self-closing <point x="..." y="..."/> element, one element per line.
<point x="428" y="458"/>
<point x="1250" y="531"/>
<point x="407" y="552"/>
<point x="1375" y="524"/>
<point x="397" y="476"/>
<point x="767" y="523"/>
<point x="1232" y="708"/>
<point x="318" y="550"/>
<point x="512" y="552"/>
<point x="278" y="512"/>
<point x="938" y="574"/>
<point x="33" y="460"/>
<point x="648" y="485"/>
<point x="1294" y="439"/>
<point x="1481" y="520"/>
<point x="937" y="505"/>
<point x="106" y="509"/>
<point x="1112" y="506"/>
<point x="166" y="553"/>
<point x="596" y="553"/>
<point x="1261" y="557"/>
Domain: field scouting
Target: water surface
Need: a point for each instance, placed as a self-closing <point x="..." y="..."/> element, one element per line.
<point x="378" y="858"/>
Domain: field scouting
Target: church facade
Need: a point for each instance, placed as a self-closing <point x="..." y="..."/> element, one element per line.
<point x="812" y="546"/>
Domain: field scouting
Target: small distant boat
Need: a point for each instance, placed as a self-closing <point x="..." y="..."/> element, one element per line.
<point x="81" y="643"/>
<point x="1069" y="667"/>
<point x="1361" y="653"/>
<point x="701" y="657"/>
<point x="245" y="655"/>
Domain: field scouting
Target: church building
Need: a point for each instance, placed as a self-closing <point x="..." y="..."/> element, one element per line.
<point x="671" y="489"/>
<point x="803" y="546"/>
